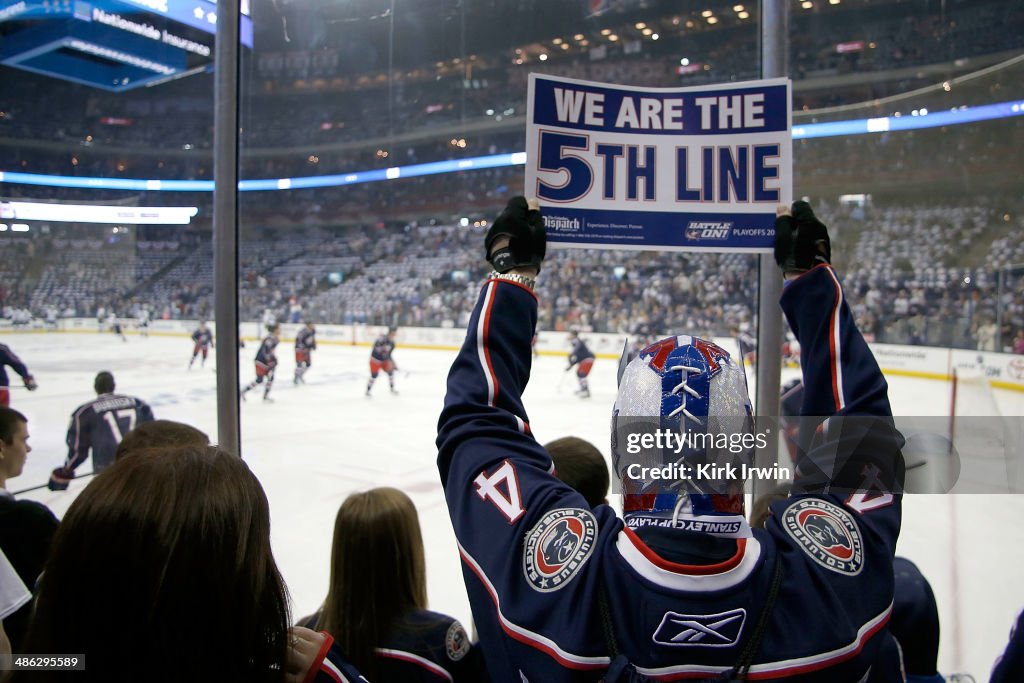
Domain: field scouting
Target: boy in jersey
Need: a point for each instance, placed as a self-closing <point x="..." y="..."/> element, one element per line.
<point x="99" y="426"/>
<point x="680" y="587"/>
<point x="380" y="359"/>
<point x="266" y="361"/>
<point x="8" y="358"/>
<point x="305" y="342"/>
<point x="581" y="357"/>
<point x="202" y="340"/>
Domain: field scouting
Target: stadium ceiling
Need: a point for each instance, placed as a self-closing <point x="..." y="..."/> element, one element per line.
<point x="925" y="119"/>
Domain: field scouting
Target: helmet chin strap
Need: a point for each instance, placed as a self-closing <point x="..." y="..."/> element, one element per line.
<point x="680" y="501"/>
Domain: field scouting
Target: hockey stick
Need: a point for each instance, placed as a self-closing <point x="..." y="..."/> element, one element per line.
<point x="561" y="382"/>
<point x="43" y="486"/>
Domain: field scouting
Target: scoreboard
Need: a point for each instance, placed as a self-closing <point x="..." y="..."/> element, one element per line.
<point x="115" y="45"/>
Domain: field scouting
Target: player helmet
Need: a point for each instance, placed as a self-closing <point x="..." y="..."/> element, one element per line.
<point x="683" y="410"/>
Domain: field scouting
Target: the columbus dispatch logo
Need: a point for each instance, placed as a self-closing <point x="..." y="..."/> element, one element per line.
<point x="562" y="223"/>
<point x="708" y="230"/>
<point x="827" y="533"/>
<point x="558" y="547"/>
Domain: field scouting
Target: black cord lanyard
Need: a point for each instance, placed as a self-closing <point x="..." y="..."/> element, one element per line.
<point x="750" y="648"/>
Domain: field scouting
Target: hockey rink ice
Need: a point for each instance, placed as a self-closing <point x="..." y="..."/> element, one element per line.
<point x="321" y="441"/>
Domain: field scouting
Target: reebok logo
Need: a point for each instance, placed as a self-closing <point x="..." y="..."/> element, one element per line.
<point x="700" y="630"/>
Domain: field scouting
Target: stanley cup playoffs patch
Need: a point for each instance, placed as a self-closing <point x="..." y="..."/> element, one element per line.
<point x="558" y="547"/>
<point x="827" y="533"/>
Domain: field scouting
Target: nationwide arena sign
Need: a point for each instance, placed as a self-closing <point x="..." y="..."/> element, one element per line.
<point x="115" y="45"/>
<point x="688" y="169"/>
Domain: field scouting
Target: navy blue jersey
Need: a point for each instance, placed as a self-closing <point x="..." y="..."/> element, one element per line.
<point x="305" y="340"/>
<point x="8" y="357"/>
<point x="382" y="348"/>
<point x="579" y="352"/>
<point x="202" y="337"/>
<point x="1010" y="666"/>
<point x="100" y="425"/>
<point x="332" y="666"/>
<point x="425" y="647"/>
<point x="536" y="557"/>
<point x="265" y="354"/>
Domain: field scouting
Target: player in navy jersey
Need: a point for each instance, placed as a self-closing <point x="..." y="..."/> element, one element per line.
<point x="202" y="340"/>
<point x="266" y="362"/>
<point x="380" y="359"/>
<point x="8" y="358"/>
<point x="1009" y="667"/>
<point x="305" y="343"/>
<point x="583" y="359"/>
<point x="99" y="426"/>
<point x="680" y="587"/>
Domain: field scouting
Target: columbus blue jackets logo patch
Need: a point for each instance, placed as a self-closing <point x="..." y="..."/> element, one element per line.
<point x="456" y="642"/>
<point x="700" y="630"/>
<point x="827" y="533"/>
<point x="557" y="547"/>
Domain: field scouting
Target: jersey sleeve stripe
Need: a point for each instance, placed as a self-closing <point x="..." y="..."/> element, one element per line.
<point x="785" y="668"/>
<point x="835" y="348"/>
<point x="333" y="672"/>
<point x="528" y="637"/>
<point x="482" y="349"/>
<point x="524" y="428"/>
<point x="417" y="660"/>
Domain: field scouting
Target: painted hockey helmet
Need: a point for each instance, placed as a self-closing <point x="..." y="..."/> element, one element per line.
<point x="682" y="429"/>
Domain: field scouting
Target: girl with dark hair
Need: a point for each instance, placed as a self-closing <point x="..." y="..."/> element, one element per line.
<point x="162" y="571"/>
<point x="376" y="607"/>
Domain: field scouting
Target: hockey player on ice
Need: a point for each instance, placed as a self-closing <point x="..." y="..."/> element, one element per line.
<point x="380" y="359"/>
<point x="98" y="426"/>
<point x="266" y="362"/>
<point x="202" y="341"/>
<point x="583" y="359"/>
<point x="9" y="358"/>
<point x="305" y="343"/>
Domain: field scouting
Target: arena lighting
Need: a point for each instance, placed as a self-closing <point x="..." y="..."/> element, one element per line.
<point x="953" y="117"/>
<point x="90" y="213"/>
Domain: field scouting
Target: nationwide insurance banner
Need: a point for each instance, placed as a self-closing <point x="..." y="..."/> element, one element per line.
<point x="685" y="169"/>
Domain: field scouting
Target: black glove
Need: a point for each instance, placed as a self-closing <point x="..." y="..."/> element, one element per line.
<point x="30" y="383"/>
<point x="525" y="229"/>
<point x="60" y="478"/>
<point x="801" y="240"/>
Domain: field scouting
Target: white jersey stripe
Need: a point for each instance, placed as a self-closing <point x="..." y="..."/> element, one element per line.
<point x="838" y="349"/>
<point x="787" y="667"/>
<point x="481" y="345"/>
<point x="328" y="667"/>
<point x="523" y="635"/>
<point x="416" y="659"/>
